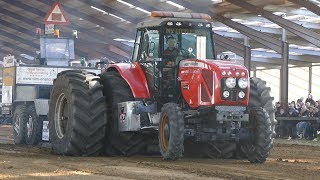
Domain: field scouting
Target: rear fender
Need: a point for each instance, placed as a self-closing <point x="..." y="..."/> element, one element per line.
<point x="134" y="76"/>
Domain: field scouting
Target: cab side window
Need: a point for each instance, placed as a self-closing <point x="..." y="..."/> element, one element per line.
<point x="149" y="45"/>
<point x="136" y="46"/>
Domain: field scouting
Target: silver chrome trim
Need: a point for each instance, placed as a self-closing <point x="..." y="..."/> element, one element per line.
<point x="231" y="108"/>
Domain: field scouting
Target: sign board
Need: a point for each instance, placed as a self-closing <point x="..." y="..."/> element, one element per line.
<point x="56" y="15"/>
<point x="8" y="61"/>
<point x="6" y="94"/>
<point x="49" y="29"/>
<point x="8" y="76"/>
<point x="45" y="131"/>
<point x="36" y="75"/>
<point x="41" y="75"/>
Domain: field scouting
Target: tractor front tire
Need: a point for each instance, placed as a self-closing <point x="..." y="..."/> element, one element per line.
<point x="259" y="144"/>
<point x="77" y="114"/>
<point x="19" y="122"/>
<point x="171" y="132"/>
<point x="260" y="97"/>
<point x="34" y="127"/>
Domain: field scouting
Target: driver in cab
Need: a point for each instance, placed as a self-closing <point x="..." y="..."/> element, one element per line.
<point x="171" y="52"/>
<point x="169" y="60"/>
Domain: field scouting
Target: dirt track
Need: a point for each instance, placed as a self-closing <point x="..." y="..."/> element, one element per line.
<point x="287" y="161"/>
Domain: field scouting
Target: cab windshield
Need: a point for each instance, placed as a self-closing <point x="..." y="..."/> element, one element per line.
<point x="188" y="42"/>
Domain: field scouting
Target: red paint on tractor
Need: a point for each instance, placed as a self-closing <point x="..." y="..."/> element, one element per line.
<point x="197" y="87"/>
<point x="134" y="76"/>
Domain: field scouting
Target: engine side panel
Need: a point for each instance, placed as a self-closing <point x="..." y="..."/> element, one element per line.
<point x="134" y="76"/>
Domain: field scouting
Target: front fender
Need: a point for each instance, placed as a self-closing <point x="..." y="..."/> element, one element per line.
<point x="134" y="76"/>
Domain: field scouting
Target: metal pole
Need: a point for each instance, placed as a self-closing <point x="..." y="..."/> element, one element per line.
<point x="310" y="78"/>
<point x="284" y="74"/>
<point x="247" y="54"/>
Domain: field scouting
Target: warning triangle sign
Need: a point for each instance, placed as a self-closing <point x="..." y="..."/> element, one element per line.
<point x="56" y="15"/>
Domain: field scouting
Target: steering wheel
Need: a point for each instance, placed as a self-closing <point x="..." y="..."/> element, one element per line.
<point x="184" y="54"/>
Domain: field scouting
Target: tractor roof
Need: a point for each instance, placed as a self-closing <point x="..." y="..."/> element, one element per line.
<point x="160" y="16"/>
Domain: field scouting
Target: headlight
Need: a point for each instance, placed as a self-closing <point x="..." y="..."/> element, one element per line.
<point x="241" y="94"/>
<point x="243" y="83"/>
<point x="226" y="94"/>
<point x="231" y="82"/>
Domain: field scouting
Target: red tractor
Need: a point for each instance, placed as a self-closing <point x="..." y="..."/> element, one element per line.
<point x="173" y="94"/>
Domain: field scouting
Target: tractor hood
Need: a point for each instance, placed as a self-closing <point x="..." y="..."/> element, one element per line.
<point x="225" y="64"/>
<point x="203" y="82"/>
<point x="217" y="64"/>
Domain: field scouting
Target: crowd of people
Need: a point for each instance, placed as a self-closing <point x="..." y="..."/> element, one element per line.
<point x="298" y="128"/>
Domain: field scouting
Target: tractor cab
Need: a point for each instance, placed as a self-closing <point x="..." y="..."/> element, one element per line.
<point x="162" y="43"/>
<point x="56" y="51"/>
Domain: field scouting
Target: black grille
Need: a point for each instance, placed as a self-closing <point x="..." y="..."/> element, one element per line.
<point x="233" y="92"/>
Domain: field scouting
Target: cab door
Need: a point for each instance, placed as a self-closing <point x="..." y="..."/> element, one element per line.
<point x="149" y="60"/>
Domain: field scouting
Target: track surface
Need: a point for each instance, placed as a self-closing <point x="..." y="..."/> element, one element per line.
<point x="287" y="161"/>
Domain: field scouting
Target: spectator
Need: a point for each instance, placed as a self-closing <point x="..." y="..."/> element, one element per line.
<point x="289" y="126"/>
<point x="316" y="112"/>
<point x="304" y="130"/>
<point x="293" y="104"/>
<point x="304" y="111"/>
<point x="308" y="105"/>
<point x="282" y="113"/>
<point x="299" y="104"/>
<point x="292" y="112"/>
<point x="284" y="125"/>
<point x="300" y="101"/>
<point x="278" y="106"/>
<point x="315" y="128"/>
<point x="310" y="99"/>
<point x="317" y="104"/>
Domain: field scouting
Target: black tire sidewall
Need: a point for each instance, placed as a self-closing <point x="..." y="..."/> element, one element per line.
<point x="116" y="90"/>
<point x="175" y="148"/>
<point x="36" y="132"/>
<point x="20" y="112"/>
<point x="260" y="97"/>
<point x="86" y="114"/>
<point x="59" y="144"/>
<point x="261" y="136"/>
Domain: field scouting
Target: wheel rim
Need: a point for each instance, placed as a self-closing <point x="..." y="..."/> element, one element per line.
<point x="164" y="131"/>
<point x="61" y="115"/>
<point x="29" y="126"/>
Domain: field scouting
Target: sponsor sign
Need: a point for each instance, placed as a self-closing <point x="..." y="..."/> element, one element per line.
<point x="8" y="76"/>
<point x="45" y="131"/>
<point x="8" y="61"/>
<point x="6" y="94"/>
<point x="49" y="29"/>
<point x="36" y="75"/>
<point x="42" y="75"/>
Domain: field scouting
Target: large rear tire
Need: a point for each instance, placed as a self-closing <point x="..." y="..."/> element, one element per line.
<point x="259" y="145"/>
<point x="19" y="124"/>
<point x="34" y="126"/>
<point x="77" y="114"/>
<point x="116" y="90"/>
<point x="171" y="132"/>
<point x="260" y="97"/>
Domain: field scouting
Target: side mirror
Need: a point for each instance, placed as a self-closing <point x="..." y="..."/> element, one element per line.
<point x="99" y="65"/>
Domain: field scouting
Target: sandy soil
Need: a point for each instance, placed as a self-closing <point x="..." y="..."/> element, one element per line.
<point x="288" y="160"/>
